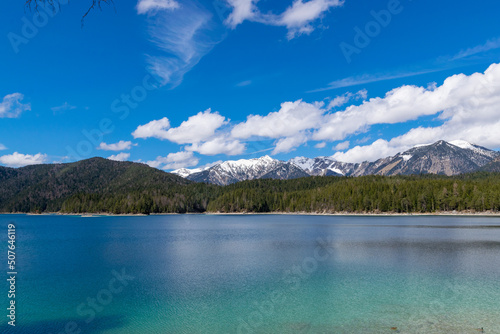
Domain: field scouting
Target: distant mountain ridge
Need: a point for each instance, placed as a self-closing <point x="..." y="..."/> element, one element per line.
<point x="447" y="158"/>
<point x="229" y="172"/>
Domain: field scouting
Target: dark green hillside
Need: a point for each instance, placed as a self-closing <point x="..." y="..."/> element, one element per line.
<point x="420" y="193"/>
<point x="47" y="187"/>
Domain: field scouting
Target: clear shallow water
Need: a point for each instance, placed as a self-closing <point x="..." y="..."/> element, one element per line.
<point x="255" y="274"/>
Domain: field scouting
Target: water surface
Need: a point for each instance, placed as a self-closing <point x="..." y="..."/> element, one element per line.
<point x="255" y="274"/>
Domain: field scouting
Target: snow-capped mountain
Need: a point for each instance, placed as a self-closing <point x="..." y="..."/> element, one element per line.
<point x="285" y="171"/>
<point x="184" y="172"/>
<point x="478" y="149"/>
<point x="438" y="158"/>
<point x="449" y="158"/>
<point x="323" y="166"/>
<point x="234" y="171"/>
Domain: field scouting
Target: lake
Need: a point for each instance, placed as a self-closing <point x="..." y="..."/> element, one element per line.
<point x="254" y="274"/>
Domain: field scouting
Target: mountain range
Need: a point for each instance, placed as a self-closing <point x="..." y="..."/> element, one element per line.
<point x="444" y="158"/>
<point x="100" y="185"/>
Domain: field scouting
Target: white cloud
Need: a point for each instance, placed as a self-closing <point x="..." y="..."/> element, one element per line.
<point x="459" y="95"/>
<point x="300" y="15"/>
<point x="120" y="146"/>
<point x="155" y="129"/>
<point x="175" y="161"/>
<point x="467" y="105"/>
<point x="12" y="107"/>
<point x="219" y="145"/>
<point x="183" y="37"/>
<point x="342" y="146"/>
<point x="287" y="144"/>
<point x="242" y="10"/>
<point x="380" y="148"/>
<point x="152" y="6"/>
<point x="153" y="163"/>
<point x="489" y="45"/>
<point x="2" y="147"/>
<point x="346" y="97"/>
<point x="197" y="128"/>
<point x="64" y="107"/>
<point x="320" y="145"/>
<point x="292" y="118"/>
<point x="120" y="156"/>
<point x="185" y="33"/>
<point x="289" y="125"/>
<point x="297" y="18"/>
<point x="19" y="160"/>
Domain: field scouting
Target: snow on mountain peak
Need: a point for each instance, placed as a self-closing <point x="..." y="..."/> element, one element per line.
<point x="184" y="172"/>
<point x="462" y="144"/>
<point x="303" y="162"/>
<point x="468" y="146"/>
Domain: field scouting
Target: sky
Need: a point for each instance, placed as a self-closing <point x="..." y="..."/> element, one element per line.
<point x="186" y="84"/>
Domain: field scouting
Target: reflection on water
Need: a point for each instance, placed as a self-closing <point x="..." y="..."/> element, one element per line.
<point x="261" y="274"/>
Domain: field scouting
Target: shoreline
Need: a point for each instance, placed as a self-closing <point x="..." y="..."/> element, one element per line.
<point x="300" y="213"/>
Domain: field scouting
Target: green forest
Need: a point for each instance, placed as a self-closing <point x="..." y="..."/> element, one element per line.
<point x="102" y="186"/>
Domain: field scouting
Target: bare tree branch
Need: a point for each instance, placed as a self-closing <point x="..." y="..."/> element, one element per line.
<point x="96" y="3"/>
<point x="34" y="4"/>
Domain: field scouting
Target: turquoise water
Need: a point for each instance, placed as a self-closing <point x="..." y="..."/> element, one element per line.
<point x="254" y="274"/>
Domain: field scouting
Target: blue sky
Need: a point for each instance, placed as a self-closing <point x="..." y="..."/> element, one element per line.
<point x="187" y="83"/>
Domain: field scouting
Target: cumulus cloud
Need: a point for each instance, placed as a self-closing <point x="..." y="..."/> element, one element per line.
<point x="120" y="156"/>
<point x="152" y="6"/>
<point x="218" y="145"/>
<point x="2" y="147"/>
<point x="380" y="148"/>
<point x="291" y="119"/>
<point x="241" y="10"/>
<point x="197" y="128"/>
<point x="287" y="144"/>
<point x="467" y="105"/>
<point x="120" y="146"/>
<point x="458" y="94"/>
<point x="199" y="131"/>
<point x="153" y="129"/>
<point x="177" y="160"/>
<point x="320" y="145"/>
<point x="12" y="106"/>
<point x="289" y="125"/>
<point x="297" y="18"/>
<point x="19" y="160"/>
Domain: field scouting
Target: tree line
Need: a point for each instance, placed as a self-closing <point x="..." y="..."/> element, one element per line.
<point x="368" y="194"/>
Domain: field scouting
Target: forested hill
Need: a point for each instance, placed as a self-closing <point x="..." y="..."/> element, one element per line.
<point x="475" y="192"/>
<point x="40" y="188"/>
<point x="98" y="185"/>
